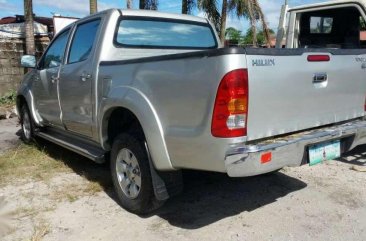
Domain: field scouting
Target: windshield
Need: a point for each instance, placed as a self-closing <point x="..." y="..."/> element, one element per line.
<point x="151" y="33"/>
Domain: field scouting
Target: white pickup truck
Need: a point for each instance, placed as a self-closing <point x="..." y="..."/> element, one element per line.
<point x="156" y="93"/>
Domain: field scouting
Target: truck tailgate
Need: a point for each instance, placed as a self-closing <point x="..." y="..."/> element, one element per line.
<point x="288" y="92"/>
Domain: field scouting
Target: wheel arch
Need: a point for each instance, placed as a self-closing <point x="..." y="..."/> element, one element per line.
<point x="140" y="111"/>
<point x="25" y="97"/>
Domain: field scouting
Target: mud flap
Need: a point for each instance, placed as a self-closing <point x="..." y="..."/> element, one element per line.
<point x="165" y="184"/>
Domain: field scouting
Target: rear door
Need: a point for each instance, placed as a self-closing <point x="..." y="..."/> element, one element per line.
<point x="292" y="90"/>
<point x="77" y="77"/>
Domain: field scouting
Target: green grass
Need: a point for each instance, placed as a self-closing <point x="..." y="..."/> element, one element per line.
<point x="44" y="160"/>
<point x="28" y="161"/>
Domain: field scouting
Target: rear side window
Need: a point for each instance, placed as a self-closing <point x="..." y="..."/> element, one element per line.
<point x="321" y="25"/>
<point x="83" y="41"/>
<point x="164" y="34"/>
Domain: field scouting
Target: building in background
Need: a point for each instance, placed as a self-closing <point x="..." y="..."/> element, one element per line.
<point x="13" y="27"/>
<point x="12" y="47"/>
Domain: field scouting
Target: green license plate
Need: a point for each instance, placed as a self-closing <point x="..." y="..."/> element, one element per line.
<point x="324" y="151"/>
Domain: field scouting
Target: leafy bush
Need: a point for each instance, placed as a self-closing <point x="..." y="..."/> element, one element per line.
<point x="9" y="98"/>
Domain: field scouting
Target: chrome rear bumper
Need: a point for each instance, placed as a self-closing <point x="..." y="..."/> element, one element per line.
<point x="291" y="150"/>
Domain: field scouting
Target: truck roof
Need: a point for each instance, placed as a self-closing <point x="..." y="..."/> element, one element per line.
<point x="157" y="14"/>
<point x="327" y="3"/>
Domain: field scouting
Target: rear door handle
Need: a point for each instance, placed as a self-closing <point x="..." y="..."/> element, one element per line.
<point x="320" y="77"/>
<point x="54" y="78"/>
<point x="85" y="76"/>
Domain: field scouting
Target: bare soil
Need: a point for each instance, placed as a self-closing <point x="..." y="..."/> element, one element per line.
<point x="322" y="202"/>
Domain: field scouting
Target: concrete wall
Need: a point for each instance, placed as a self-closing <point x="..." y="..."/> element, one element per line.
<point x="11" y="50"/>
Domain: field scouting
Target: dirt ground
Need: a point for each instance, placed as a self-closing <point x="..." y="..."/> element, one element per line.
<point x="322" y="202"/>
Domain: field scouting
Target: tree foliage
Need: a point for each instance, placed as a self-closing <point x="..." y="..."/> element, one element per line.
<point x="260" y="36"/>
<point x="363" y="24"/>
<point x="236" y="37"/>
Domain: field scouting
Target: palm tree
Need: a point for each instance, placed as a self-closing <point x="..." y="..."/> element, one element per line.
<point x="259" y="15"/>
<point x="29" y="30"/>
<point x="93" y="6"/>
<point x="242" y="8"/>
<point x="251" y="10"/>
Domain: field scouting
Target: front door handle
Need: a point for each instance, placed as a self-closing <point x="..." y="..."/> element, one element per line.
<point x="85" y="76"/>
<point x="54" y="78"/>
<point x="320" y="77"/>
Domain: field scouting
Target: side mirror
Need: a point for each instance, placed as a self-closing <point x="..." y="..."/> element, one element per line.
<point x="28" y="61"/>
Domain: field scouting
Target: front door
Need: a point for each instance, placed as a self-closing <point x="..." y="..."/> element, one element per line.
<point x="46" y="81"/>
<point x="76" y="79"/>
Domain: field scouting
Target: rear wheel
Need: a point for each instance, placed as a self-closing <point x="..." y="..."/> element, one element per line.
<point x="131" y="175"/>
<point x="27" y="125"/>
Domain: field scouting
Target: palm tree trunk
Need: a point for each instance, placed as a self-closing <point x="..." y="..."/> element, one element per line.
<point x="29" y="29"/>
<point x="184" y="6"/>
<point x="223" y="21"/>
<point x="129" y="4"/>
<point x="93" y="6"/>
<point x="142" y="4"/>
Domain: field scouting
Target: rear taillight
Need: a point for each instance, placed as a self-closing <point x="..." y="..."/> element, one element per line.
<point x="231" y="105"/>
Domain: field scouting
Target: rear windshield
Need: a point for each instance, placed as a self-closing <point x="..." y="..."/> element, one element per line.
<point x="149" y="33"/>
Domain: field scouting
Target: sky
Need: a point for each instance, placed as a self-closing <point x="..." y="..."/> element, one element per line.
<point x="80" y="8"/>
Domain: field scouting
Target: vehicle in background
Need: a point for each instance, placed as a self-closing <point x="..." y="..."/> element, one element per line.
<point x="337" y="24"/>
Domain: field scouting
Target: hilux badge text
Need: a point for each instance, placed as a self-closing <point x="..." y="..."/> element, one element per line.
<point x="263" y="62"/>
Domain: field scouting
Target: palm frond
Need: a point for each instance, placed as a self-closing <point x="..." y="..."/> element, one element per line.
<point x="149" y="4"/>
<point x="188" y="6"/>
<point x="265" y="27"/>
<point x="210" y="8"/>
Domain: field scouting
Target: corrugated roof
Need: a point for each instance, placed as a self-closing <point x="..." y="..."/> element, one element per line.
<point x="8" y="20"/>
<point x="20" y="19"/>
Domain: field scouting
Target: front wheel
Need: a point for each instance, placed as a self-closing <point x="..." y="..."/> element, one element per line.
<point x="27" y="125"/>
<point x="131" y="175"/>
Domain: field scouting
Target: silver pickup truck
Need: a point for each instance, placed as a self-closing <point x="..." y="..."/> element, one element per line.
<point x="156" y="93"/>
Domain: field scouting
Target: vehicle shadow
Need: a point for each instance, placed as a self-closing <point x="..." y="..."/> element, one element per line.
<point x="355" y="157"/>
<point x="210" y="197"/>
<point x="98" y="173"/>
<point x="207" y="197"/>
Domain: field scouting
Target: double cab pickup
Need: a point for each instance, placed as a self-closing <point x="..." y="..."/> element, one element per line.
<point x="154" y="93"/>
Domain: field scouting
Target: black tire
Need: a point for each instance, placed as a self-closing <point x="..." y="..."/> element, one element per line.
<point x="27" y="125"/>
<point x="145" y="200"/>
